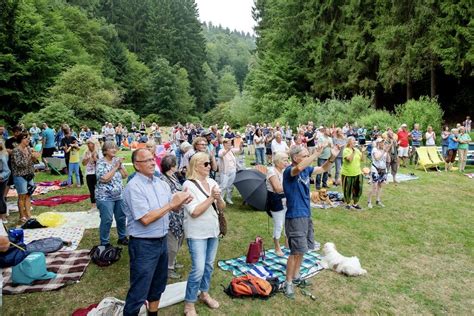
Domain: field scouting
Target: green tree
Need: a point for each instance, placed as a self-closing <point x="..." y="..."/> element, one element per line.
<point x="227" y="87"/>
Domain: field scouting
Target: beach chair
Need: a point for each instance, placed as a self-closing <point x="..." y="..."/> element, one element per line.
<point x="424" y="159"/>
<point x="434" y="155"/>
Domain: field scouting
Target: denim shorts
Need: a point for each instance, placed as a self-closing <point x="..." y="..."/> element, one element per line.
<point x="21" y="185"/>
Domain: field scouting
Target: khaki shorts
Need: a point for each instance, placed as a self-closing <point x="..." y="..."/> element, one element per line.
<point x="300" y="233"/>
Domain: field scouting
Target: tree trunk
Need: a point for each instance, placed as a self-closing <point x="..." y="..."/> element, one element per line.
<point x="409" y="88"/>
<point x="433" y="80"/>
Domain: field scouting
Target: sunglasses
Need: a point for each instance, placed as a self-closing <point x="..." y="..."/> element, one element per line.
<point x="207" y="164"/>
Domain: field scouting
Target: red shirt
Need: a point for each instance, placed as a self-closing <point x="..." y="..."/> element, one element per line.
<point x="403" y="138"/>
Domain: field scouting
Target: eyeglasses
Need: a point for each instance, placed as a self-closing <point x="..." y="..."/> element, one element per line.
<point x="146" y="160"/>
<point x="207" y="164"/>
<point x="202" y="144"/>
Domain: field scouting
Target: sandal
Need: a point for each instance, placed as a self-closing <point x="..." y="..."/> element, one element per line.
<point x="189" y="310"/>
<point x="209" y="301"/>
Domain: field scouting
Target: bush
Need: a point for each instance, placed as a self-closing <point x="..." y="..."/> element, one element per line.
<point x="380" y="118"/>
<point x="152" y="118"/>
<point x="424" y="111"/>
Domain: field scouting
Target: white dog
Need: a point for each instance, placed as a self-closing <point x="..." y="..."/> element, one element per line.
<point x="335" y="261"/>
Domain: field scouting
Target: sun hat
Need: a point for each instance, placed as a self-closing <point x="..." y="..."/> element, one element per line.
<point x="404" y="125"/>
<point x="32" y="268"/>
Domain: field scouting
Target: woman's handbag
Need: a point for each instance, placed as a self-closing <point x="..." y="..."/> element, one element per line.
<point x="220" y="214"/>
<point x="255" y="251"/>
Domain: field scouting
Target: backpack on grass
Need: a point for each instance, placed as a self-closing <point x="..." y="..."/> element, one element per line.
<point x="251" y="286"/>
<point x="104" y="256"/>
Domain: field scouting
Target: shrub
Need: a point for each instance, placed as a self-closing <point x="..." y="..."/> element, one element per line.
<point x="424" y="111"/>
<point x="380" y="118"/>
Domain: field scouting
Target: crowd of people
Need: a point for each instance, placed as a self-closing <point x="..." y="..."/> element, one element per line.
<point x="176" y="196"/>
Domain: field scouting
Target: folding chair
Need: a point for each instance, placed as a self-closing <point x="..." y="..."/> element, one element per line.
<point x="424" y="159"/>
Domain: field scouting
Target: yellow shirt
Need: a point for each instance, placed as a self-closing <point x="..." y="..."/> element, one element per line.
<point x="74" y="155"/>
<point x="351" y="168"/>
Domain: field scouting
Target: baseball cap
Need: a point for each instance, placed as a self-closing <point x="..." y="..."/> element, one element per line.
<point x="206" y="132"/>
<point x="404" y="125"/>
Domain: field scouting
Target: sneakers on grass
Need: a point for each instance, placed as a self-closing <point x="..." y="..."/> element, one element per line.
<point x="289" y="290"/>
<point x="379" y="203"/>
<point x="302" y="283"/>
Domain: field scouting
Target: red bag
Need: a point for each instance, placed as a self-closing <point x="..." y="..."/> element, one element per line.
<point x="255" y="251"/>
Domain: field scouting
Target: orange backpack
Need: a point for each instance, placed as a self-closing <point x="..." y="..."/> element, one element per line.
<point x="252" y="286"/>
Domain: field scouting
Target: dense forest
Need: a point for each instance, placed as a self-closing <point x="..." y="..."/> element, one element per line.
<point x="392" y="51"/>
<point x="89" y="61"/>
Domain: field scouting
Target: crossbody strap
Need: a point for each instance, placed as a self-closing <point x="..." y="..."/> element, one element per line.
<point x="204" y="192"/>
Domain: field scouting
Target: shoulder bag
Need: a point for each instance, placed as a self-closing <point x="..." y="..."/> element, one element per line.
<point x="220" y="214"/>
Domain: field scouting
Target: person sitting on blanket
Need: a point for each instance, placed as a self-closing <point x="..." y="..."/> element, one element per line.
<point x="298" y="223"/>
<point x="147" y="226"/>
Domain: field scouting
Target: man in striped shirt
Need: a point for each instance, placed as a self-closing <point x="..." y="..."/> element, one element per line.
<point x="416" y="139"/>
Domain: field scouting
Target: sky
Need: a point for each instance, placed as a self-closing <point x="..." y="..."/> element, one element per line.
<point x="234" y="14"/>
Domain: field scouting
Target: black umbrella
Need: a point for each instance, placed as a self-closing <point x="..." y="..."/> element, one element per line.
<point x="252" y="187"/>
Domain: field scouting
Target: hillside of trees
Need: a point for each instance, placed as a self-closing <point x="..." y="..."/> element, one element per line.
<point x="89" y="61"/>
<point x="95" y="60"/>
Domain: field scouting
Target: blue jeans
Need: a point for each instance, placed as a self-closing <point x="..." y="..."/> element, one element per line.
<point x="73" y="168"/>
<point x="324" y="176"/>
<point x="148" y="272"/>
<point x="337" y="176"/>
<point x="445" y="150"/>
<point x="108" y="209"/>
<point x="118" y="139"/>
<point x="260" y="156"/>
<point x="203" y="252"/>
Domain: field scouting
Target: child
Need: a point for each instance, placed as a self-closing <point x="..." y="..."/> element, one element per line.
<point x="73" y="167"/>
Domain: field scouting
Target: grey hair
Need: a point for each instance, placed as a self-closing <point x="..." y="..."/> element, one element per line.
<point x="279" y="157"/>
<point x="108" y="145"/>
<point x="294" y="151"/>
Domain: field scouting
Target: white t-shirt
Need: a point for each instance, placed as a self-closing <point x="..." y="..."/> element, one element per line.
<point x="259" y="139"/>
<point x="207" y="224"/>
<point x="279" y="147"/>
<point x="430" y="141"/>
<point x="273" y="172"/>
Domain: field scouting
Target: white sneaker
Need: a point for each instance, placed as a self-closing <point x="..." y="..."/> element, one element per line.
<point x="369" y="205"/>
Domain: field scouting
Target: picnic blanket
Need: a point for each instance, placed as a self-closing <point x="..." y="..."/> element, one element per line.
<point x="402" y="177"/>
<point x="87" y="220"/>
<point x="68" y="265"/>
<point x="49" y="183"/>
<point x="60" y="199"/>
<point x="325" y="205"/>
<point x="72" y="234"/>
<point x="39" y="190"/>
<point x="310" y="266"/>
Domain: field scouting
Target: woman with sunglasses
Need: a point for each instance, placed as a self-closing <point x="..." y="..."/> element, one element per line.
<point x="201" y="228"/>
<point x="23" y="172"/>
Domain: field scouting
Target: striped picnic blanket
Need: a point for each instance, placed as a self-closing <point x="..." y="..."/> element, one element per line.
<point x="310" y="266"/>
<point x="69" y="267"/>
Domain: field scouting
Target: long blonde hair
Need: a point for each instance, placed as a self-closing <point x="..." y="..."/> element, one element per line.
<point x="196" y="159"/>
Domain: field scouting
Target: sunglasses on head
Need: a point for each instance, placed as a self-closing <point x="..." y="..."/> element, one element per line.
<point x="207" y="164"/>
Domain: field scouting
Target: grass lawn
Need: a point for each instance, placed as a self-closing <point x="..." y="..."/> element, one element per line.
<point x="418" y="251"/>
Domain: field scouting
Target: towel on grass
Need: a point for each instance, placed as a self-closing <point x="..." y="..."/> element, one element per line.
<point x="69" y="267"/>
<point x="39" y="190"/>
<point x="87" y="220"/>
<point x="60" y="199"/>
<point x="310" y="266"/>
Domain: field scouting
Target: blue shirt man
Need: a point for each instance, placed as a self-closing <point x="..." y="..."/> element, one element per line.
<point x="416" y="136"/>
<point x="148" y="201"/>
<point x="453" y="141"/>
<point x="48" y="137"/>
<point x="298" y="223"/>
